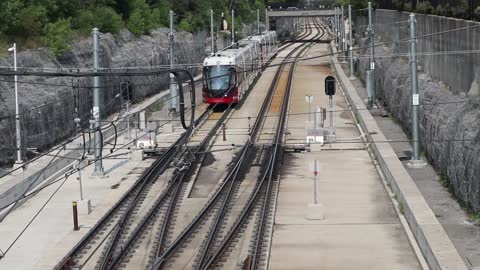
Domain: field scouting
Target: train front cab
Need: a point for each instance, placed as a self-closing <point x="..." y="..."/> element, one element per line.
<point x="220" y="84"/>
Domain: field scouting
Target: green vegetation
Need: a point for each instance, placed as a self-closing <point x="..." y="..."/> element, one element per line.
<point x="474" y="218"/>
<point x="401" y="208"/>
<point x="458" y="9"/>
<point x="155" y="107"/>
<point x="356" y="4"/>
<point x="443" y="179"/>
<point x="54" y="23"/>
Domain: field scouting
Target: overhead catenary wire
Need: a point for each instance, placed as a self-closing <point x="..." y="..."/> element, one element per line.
<point x="65" y="178"/>
<point x="152" y="72"/>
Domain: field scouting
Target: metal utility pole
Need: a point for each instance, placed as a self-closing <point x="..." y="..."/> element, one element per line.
<point x="315" y="172"/>
<point x="233" y="26"/>
<point x="258" y="21"/>
<point x="18" y="130"/>
<point x="414" y="82"/>
<point x="267" y="23"/>
<point x="96" y="105"/>
<point x="79" y="167"/>
<point x="342" y="30"/>
<point x="173" y="84"/>
<point x="212" y="31"/>
<point x="337" y="27"/>
<point x="350" y="37"/>
<point x="335" y="24"/>
<point x="372" y="48"/>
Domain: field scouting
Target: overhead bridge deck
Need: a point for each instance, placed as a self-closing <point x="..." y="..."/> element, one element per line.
<point x="301" y="13"/>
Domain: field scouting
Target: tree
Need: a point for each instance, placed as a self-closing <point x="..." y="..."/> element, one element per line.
<point x="57" y="35"/>
<point x="31" y="21"/>
<point x="136" y="23"/>
<point x="107" y="20"/>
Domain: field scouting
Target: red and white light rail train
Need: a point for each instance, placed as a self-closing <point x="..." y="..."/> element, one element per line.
<point x="228" y="74"/>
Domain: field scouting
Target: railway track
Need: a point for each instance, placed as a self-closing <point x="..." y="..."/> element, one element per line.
<point x="143" y="220"/>
<point x="106" y="243"/>
<point x="261" y="202"/>
<point x="217" y="212"/>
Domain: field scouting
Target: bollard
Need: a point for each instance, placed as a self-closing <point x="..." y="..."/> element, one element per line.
<point x="75" y="216"/>
<point x="223" y="130"/>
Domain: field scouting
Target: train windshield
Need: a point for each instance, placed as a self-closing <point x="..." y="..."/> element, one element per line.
<point x="219" y="78"/>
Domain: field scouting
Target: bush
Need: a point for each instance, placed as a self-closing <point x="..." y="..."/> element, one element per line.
<point x="425" y="7"/>
<point x="186" y="24"/>
<point x="160" y="16"/>
<point x="460" y="10"/>
<point x="136" y="23"/>
<point x="107" y="20"/>
<point x="84" y="22"/>
<point x="57" y="34"/>
<point x="477" y="13"/>
<point x="407" y="7"/>
<point x="398" y="4"/>
<point x="440" y="10"/>
<point x="31" y="21"/>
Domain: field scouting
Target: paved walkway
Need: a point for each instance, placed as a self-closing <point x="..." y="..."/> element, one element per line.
<point x="464" y="234"/>
<point x="360" y="228"/>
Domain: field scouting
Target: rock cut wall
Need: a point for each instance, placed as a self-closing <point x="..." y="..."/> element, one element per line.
<point x="448" y="86"/>
<point x="48" y="104"/>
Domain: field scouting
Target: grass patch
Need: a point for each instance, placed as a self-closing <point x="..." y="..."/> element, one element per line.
<point x="155" y="107"/>
<point x="401" y="208"/>
<point x="397" y="122"/>
<point x="473" y="217"/>
<point x="115" y="186"/>
<point x="447" y="184"/>
<point x="357" y="118"/>
<point x="445" y="181"/>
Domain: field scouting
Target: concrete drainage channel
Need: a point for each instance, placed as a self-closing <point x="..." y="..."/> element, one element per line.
<point x="434" y="243"/>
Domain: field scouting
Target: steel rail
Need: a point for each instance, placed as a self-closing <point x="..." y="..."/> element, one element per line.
<point x="269" y="173"/>
<point x="278" y="145"/>
<point x="125" y="201"/>
<point x="173" y="191"/>
<point x="278" y="141"/>
<point x="227" y="183"/>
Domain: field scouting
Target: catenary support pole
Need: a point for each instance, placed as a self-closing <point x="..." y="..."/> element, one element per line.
<point x="79" y="167"/>
<point x="267" y="23"/>
<point x="173" y="84"/>
<point x="18" y="127"/>
<point x="258" y="21"/>
<point x="371" y="32"/>
<point x="369" y="83"/>
<point x="342" y="31"/>
<point x="315" y="172"/>
<point x="350" y="38"/>
<point x="212" y="31"/>
<point x="414" y="82"/>
<point x="336" y="27"/>
<point x="330" y="108"/>
<point x="233" y="26"/>
<point x="96" y="105"/>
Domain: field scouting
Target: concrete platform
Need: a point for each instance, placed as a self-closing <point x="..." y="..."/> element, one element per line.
<point x="435" y="245"/>
<point x="50" y="236"/>
<point x="360" y="228"/>
<point x="464" y="234"/>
